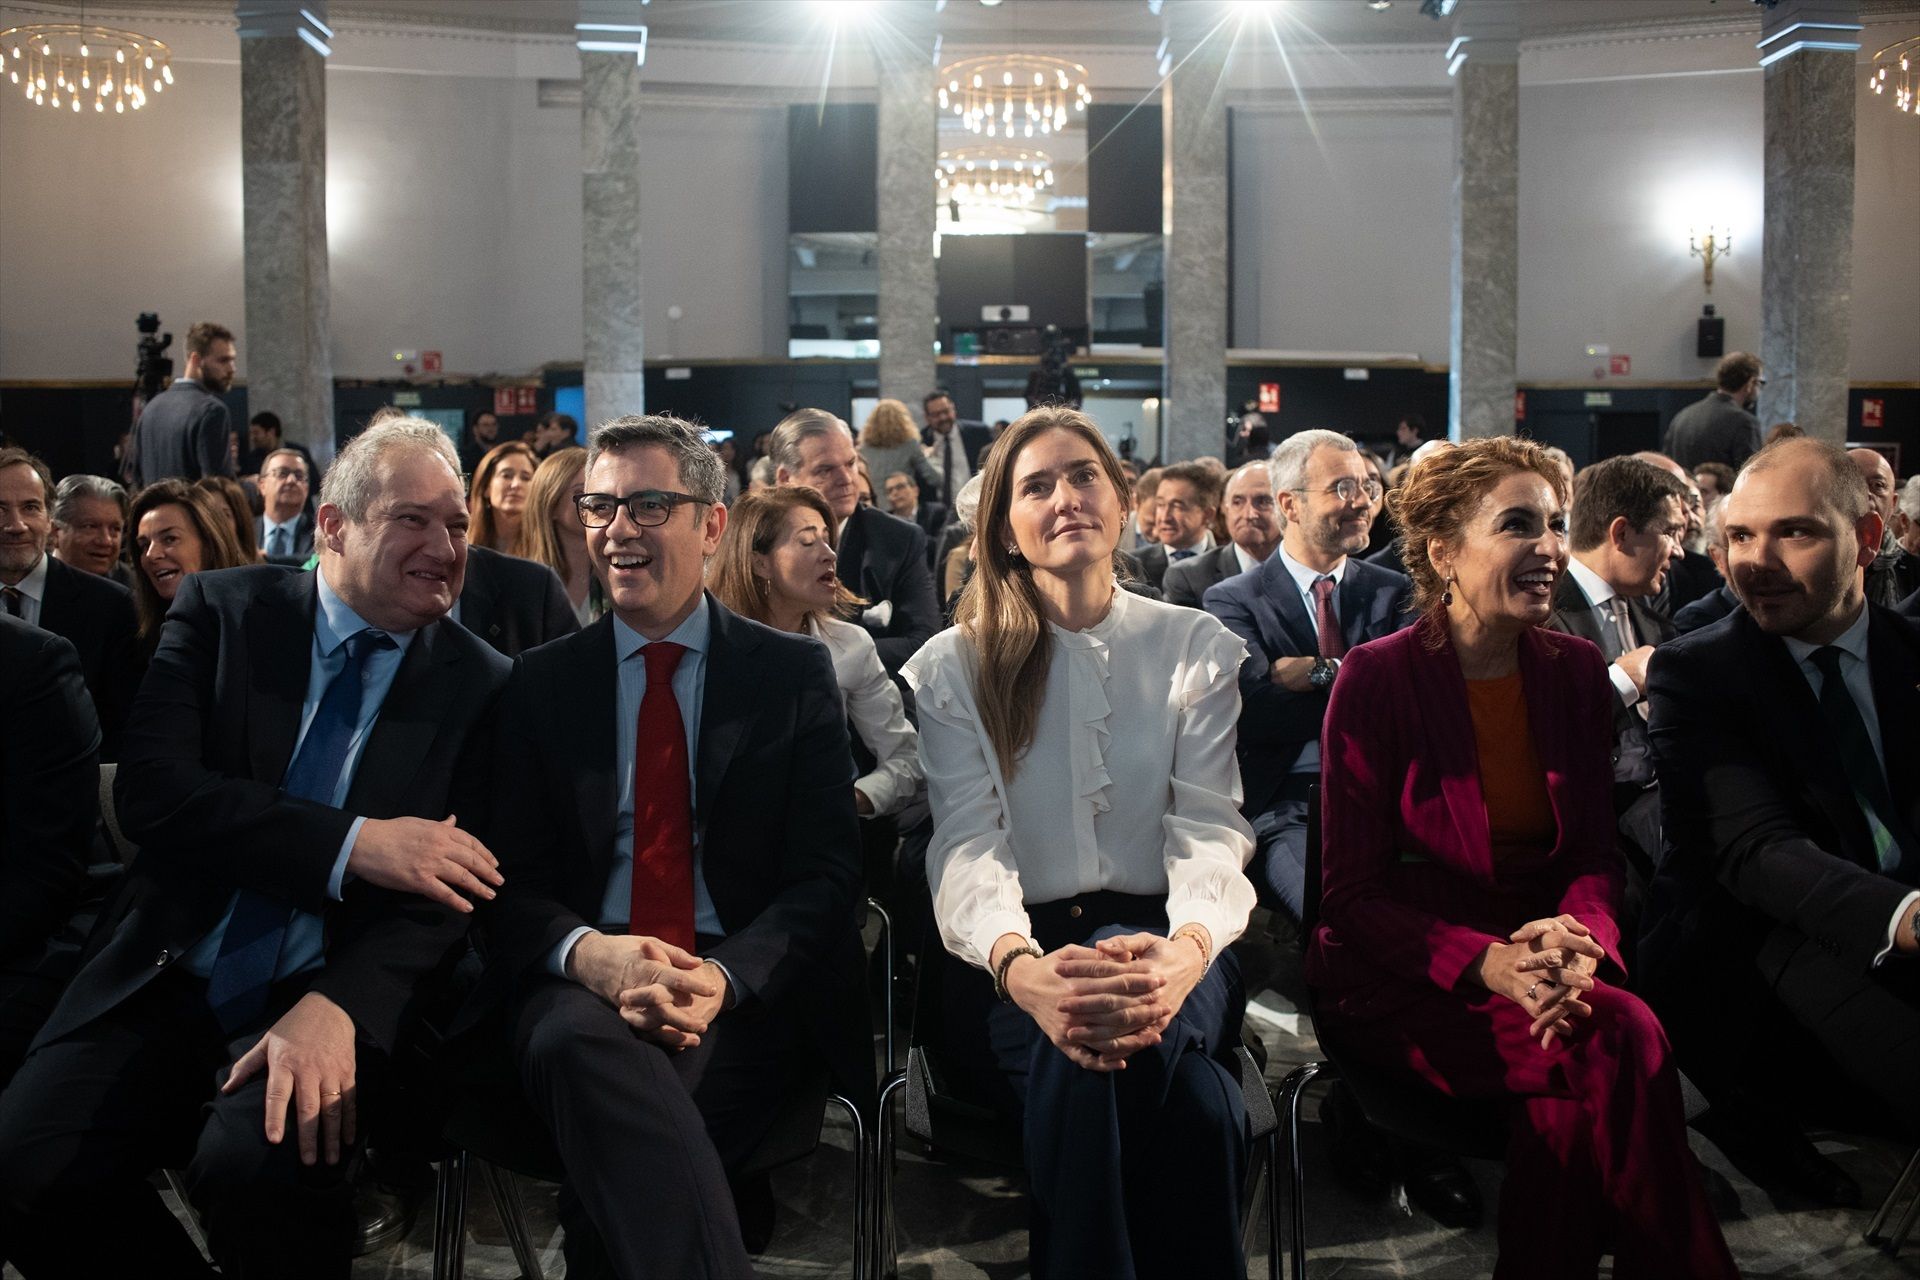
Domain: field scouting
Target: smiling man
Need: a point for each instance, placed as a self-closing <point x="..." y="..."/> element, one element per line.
<point x="1786" y="738"/>
<point x="290" y="773"/>
<point x="1253" y="531"/>
<point x="284" y="528"/>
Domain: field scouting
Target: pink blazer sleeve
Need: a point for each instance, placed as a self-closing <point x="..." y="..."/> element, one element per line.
<point x="1589" y="852"/>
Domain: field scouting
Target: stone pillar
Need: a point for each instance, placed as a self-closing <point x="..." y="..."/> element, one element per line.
<point x="908" y="149"/>
<point x="610" y="207"/>
<point x="1484" y="63"/>
<point x="1807" y="50"/>
<point x="1193" y="121"/>
<point x="287" y="344"/>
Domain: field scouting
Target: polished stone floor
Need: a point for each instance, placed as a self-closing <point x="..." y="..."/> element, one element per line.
<point x="961" y="1223"/>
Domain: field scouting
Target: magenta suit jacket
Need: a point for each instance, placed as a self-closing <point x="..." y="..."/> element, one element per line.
<point x="1410" y="893"/>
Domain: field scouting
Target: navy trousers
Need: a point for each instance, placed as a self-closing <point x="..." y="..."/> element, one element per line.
<point x="1133" y="1173"/>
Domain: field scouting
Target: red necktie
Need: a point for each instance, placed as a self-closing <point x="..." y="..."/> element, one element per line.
<point x="1332" y="643"/>
<point x="662" y="904"/>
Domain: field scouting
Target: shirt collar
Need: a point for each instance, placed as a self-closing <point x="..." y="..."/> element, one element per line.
<point x="1303" y="577"/>
<point x="34" y="585"/>
<point x="1596" y="588"/>
<point x="335" y="622"/>
<point x="1852" y="641"/>
<point x="1205" y="544"/>
<point x="1246" y="559"/>
<point x="291" y="524"/>
<point x="694" y="633"/>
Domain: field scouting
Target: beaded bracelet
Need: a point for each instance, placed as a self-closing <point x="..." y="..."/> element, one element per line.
<point x="1006" y="962"/>
<point x="1199" y="937"/>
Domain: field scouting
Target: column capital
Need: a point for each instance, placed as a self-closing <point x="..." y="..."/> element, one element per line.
<point x="306" y="19"/>
<point x="1487" y="31"/>
<point x="611" y="26"/>
<point x="1801" y="26"/>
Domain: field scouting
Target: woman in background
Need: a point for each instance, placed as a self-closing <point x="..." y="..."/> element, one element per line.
<point x="178" y="530"/>
<point x="890" y="442"/>
<point x="227" y="493"/>
<point x="497" y="499"/>
<point x="553" y="535"/>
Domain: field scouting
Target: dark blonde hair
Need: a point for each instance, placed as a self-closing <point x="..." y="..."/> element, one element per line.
<point x="211" y="519"/>
<point x="890" y="423"/>
<point x="227" y="491"/>
<point x="538" y="539"/>
<point x="999" y="608"/>
<point x="754" y="523"/>
<point x="1444" y="489"/>
<point x="482" y="532"/>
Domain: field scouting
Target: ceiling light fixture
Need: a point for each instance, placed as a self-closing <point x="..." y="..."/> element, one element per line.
<point x="77" y="65"/>
<point x="1896" y="69"/>
<point x="1010" y="95"/>
<point x="994" y="175"/>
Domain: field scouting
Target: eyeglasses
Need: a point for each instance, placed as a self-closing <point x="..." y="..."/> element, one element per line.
<point x="285" y="473"/>
<point x="647" y="508"/>
<point x="1348" y="489"/>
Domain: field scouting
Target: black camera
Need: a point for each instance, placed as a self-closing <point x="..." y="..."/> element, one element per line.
<point x="152" y="367"/>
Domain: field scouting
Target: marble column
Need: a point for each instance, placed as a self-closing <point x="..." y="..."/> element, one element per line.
<point x="610" y="249"/>
<point x="908" y="149"/>
<point x="286" y="346"/>
<point x="1484" y="63"/>
<point x="1807" y="50"/>
<point x="1193" y="120"/>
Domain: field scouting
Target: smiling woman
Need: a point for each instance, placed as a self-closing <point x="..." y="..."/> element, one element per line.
<point x="178" y="530"/>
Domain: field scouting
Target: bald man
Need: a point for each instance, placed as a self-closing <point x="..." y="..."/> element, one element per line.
<point x="1893" y="575"/>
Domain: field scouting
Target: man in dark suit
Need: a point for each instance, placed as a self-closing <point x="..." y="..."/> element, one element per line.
<point x="953" y="445"/>
<point x="185" y="431"/>
<point x="1693" y="574"/>
<point x="513" y="604"/>
<point x="1628" y="519"/>
<point x="882" y="559"/>
<point x="93" y="613"/>
<point x="1253" y="531"/>
<point x="284" y="527"/>
<point x="49" y="802"/>
<point x="297" y="759"/>
<point x="1184" y="505"/>
<point x="904" y="502"/>
<point x="677" y="927"/>
<point x="1782" y="926"/>
<point x="1720" y="428"/>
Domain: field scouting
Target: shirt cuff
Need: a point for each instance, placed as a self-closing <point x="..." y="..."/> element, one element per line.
<point x="1220" y="930"/>
<point x="732" y="995"/>
<point x="994" y="927"/>
<point x="557" y="961"/>
<point x="1893" y="927"/>
<point x="1623" y="685"/>
<point x="337" y="879"/>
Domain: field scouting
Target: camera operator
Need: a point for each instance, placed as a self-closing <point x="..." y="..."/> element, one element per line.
<point x="185" y="431"/>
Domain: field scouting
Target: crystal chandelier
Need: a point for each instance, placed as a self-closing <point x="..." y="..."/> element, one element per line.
<point x="1898" y="66"/>
<point x="993" y="176"/>
<point x="1009" y="95"/>
<point x="76" y="65"/>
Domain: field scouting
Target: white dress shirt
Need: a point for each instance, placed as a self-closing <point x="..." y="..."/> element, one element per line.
<point x="1858" y="676"/>
<point x="33" y="590"/>
<point x="1303" y="580"/>
<point x="879" y="715"/>
<point x="1600" y="593"/>
<point x="1246" y="560"/>
<point x="1130" y="783"/>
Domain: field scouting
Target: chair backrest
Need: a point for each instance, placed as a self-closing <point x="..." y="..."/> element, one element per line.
<point x="123" y="848"/>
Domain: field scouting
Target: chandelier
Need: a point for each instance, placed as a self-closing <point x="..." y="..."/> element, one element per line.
<point x="1010" y="95"/>
<point x="1898" y="65"/>
<point x="993" y="176"/>
<point x="73" y="65"/>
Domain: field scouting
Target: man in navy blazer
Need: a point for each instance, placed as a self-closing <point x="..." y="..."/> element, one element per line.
<point x="513" y="604"/>
<point x="1291" y="667"/>
<point x="294" y="766"/>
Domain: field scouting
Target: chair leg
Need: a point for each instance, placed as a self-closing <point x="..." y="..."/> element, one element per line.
<point x="886" y="965"/>
<point x="862" y="1209"/>
<point x="450" y="1218"/>
<point x="513" y="1218"/>
<point x="886" y="1264"/>
<point x="1292" y="1090"/>
<point x="1907" y="1186"/>
<point x="1273" y="1205"/>
<point x="179" y="1188"/>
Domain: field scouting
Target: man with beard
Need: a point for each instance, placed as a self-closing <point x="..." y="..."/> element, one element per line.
<point x="1720" y="428"/>
<point x="184" y="431"/>
<point x="1253" y="531"/>
<point x="1786" y="740"/>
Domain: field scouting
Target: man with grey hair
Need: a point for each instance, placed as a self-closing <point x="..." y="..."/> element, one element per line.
<point x="1253" y="531"/>
<point x="677" y="928"/>
<point x="1906" y="540"/>
<point x="1892" y="576"/>
<point x="296" y="769"/>
<point x="284" y="527"/>
<point x="883" y="559"/>
<point x="1786" y="739"/>
<point x="89" y="526"/>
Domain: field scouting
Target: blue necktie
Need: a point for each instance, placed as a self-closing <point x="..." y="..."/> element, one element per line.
<point x="250" y="949"/>
<point x="1177" y="556"/>
<point x="277" y="541"/>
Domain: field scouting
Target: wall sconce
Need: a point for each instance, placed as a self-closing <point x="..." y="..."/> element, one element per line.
<point x="1718" y="244"/>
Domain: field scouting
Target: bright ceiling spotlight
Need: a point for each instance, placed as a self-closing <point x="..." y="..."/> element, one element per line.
<point x="844" y="12"/>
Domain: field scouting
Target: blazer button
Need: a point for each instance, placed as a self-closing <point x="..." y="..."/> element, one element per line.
<point x="1074" y="911"/>
<point x="161" y="959"/>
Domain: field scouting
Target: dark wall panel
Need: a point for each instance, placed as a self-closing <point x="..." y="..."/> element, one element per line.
<point x="1123" y="168"/>
<point x="833" y="168"/>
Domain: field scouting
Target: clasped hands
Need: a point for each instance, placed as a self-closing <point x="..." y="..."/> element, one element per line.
<point x="1543" y="968"/>
<point x="668" y="995"/>
<point x="1101" y="1004"/>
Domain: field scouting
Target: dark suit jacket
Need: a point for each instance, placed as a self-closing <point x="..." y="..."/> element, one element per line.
<point x="773" y="810"/>
<point x="883" y="557"/>
<point x="932" y="518"/>
<point x="1712" y="430"/>
<point x="1389" y="558"/>
<point x="1910" y="607"/>
<point x="302" y="540"/>
<point x="1186" y="583"/>
<point x="183" y="432"/>
<point x="198" y="790"/>
<point x="96" y="615"/>
<point x="514" y="604"/>
<point x="1690" y="578"/>
<point x="49" y="791"/>
<point x="1708" y="609"/>
<point x="974" y="437"/>
<point x="1573" y="614"/>
<point x="1411" y="899"/>
<point x="1156" y="560"/>
<point x="1264" y="609"/>
<point x="1760" y="817"/>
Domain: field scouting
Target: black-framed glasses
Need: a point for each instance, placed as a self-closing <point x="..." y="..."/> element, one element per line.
<point x="1347" y="489"/>
<point x="646" y="508"/>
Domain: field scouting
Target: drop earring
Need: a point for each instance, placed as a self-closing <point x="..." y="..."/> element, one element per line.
<point x="1446" y="596"/>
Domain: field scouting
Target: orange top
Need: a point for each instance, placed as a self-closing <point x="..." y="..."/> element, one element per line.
<point x="1512" y="781"/>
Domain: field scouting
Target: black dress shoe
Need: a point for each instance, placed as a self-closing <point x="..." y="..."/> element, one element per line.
<point x="1440" y="1186"/>
<point x="1774" y="1152"/>
<point x="753" y="1202"/>
<point x="383" y="1216"/>
<point x="1359" y="1153"/>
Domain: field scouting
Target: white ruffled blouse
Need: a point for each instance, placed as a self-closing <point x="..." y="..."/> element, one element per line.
<point x="1130" y="784"/>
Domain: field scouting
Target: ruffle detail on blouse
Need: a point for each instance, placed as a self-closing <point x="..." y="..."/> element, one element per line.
<point x="1089" y="667"/>
<point x="939" y="677"/>
<point x="1217" y="654"/>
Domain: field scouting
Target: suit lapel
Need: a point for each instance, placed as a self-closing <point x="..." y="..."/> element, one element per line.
<point x="478" y="612"/>
<point x="57" y="599"/>
<point x="1448" y="724"/>
<point x="1363" y="605"/>
<point x="852" y="563"/>
<point x="1549" y="721"/>
<point x="1894" y="662"/>
<point x="588" y="698"/>
<point x="403" y="735"/>
<point x="279" y="639"/>
<point x="1793" y="719"/>
<point x="1278" y="589"/>
<point x="728" y="705"/>
<point x="1573" y="614"/>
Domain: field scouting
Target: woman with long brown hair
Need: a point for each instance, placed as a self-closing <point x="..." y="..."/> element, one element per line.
<point x="497" y="498"/>
<point x="552" y="533"/>
<point x="1087" y="867"/>
<point x="226" y="491"/>
<point x="178" y="529"/>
